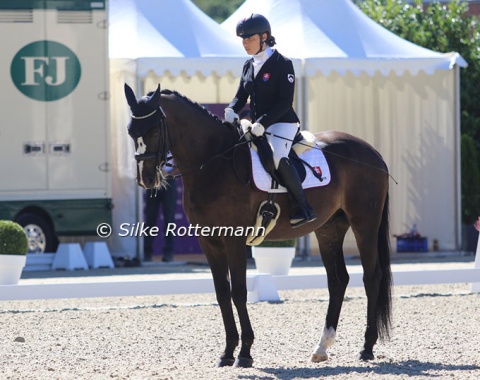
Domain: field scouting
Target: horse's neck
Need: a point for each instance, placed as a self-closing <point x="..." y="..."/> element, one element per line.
<point x="196" y="136"/>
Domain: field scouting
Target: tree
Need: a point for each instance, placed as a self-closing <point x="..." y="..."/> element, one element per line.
<point x="470" y="180"/>
<point x="219" y="10"/>
<point x="445" y="28"/>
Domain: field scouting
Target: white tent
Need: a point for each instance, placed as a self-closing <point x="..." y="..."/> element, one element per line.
<point x="168" y="42"/>
<point x="404" y="99"/>
<point x="355" y="76"/>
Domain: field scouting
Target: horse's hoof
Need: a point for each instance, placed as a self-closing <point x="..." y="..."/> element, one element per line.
<point x="366" y="356"/>
<point x="317" y="358"/>
<point x="243" y="362"/>
<point x="225" y="362"/>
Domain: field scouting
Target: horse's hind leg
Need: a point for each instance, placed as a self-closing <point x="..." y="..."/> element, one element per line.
<point x="330" y="240"/>
<point x="367" y="240"/>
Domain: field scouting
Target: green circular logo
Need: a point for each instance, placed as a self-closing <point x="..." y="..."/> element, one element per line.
<point x="45" y="70"/>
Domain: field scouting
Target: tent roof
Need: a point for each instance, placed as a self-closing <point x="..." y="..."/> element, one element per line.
<point x="151" y="31"/>
<point x="146" y="28"/>
<point x="131" y="35"/>
<point x="335" y="35"/>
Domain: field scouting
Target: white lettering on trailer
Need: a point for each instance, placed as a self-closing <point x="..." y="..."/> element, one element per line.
<point x="36" y="65"/>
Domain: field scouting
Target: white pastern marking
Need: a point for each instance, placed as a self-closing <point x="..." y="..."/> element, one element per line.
<point x="141" y="148"/>
<point x="327" y="340"/>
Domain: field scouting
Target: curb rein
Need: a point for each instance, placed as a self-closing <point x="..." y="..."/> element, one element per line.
<point x="163" y="158"/>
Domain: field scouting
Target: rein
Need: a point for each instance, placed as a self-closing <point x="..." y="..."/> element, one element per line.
<point x="165" y="138"/>
<point x="193" y="168"/>
<point x="163" y="158"/>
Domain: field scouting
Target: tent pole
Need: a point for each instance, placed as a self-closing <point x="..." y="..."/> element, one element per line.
<point x="302" y="106"/>
<point x="138" y="191"/>
<point x="458" y="188"/>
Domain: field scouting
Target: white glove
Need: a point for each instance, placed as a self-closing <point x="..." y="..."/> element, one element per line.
<point x="257" y="129"/>
<point x="230" y="116"/>
<point x="246" y="126"/>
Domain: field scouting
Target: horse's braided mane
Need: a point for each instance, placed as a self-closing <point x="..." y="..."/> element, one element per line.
<point x="199" y="106"/>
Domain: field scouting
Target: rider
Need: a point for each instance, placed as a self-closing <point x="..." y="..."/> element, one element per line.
<point x="269" y="80"/>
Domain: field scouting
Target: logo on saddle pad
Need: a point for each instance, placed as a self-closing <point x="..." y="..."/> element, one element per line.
<point x="318" y="170"/>
<point x="45" y="70"/>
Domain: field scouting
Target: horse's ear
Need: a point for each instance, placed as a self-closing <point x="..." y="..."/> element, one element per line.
<point x="155" y="97"/>
<point x="131" y="99"/>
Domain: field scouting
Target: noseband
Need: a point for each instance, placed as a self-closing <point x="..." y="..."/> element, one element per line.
<point x="162" y="151"/>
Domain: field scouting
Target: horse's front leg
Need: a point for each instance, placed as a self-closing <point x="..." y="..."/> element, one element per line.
<point x="219" y="268"/>
<point x="237" y="262"/>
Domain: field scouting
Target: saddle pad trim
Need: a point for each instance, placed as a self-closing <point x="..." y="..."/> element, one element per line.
<point x="315" y="157"/>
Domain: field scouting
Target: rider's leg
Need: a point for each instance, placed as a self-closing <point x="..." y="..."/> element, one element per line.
<point x="301" y="211"/>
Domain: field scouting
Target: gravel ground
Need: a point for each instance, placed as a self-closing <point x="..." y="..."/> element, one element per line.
<point x="435" y="334"/>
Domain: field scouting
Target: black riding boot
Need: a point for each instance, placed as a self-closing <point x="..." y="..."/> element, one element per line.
<point x="301" y="212"/>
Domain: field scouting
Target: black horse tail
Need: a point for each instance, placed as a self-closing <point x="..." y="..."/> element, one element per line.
<point x="384" y="302"/>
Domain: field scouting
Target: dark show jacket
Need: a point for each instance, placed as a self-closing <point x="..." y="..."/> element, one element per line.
<point x="271" y="91"/>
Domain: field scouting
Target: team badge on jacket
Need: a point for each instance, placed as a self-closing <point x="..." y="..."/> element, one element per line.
<point x="266" y="77"/>
<point x="291" y="78"/>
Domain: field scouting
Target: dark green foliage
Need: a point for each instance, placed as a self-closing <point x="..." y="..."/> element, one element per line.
<point x="281" y="243"/>
<point x="13" y="239"/>
<point x="470" y="180"/>
<point x="219" y="10"/>
<point x="445" y="28"/>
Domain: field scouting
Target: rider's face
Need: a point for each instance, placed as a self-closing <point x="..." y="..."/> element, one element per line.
<point x="252" y="44"/>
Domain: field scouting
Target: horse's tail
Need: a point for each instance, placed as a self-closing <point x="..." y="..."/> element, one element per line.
<point x="384" y="302"/>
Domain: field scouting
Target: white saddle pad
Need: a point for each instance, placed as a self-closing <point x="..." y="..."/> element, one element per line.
<point x="314" y="157"/>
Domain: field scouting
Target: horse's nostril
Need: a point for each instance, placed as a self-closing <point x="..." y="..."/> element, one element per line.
<point x="148" y="181"/>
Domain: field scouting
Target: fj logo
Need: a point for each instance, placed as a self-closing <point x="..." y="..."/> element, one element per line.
<point x="37" y="67"/>
<point x="45" y="70"/>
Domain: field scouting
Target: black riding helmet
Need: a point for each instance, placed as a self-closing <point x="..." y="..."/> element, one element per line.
<point x="255" y="24"/>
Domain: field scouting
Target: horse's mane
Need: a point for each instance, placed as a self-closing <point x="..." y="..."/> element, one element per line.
<point x="195" y="104"/>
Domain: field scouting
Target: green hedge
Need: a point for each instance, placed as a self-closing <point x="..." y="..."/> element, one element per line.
<point x="13" y="239"/>
<point x="278" y="243"/>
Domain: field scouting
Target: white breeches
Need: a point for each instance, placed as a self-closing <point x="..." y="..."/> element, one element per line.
<point x="281" y="147"/>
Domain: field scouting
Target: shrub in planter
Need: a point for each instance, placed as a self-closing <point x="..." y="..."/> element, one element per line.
<point x="13" y="250"/>
<point x="278" y="243"/>
<point x="13" y="239"/>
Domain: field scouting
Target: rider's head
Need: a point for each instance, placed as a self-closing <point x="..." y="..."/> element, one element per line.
<point x="256" y="33"/>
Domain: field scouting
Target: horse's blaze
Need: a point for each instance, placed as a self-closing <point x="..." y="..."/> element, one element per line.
<point x="141" y="149"/>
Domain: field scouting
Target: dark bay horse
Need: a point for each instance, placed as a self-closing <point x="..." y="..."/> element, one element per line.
<point x="217" y="192"/>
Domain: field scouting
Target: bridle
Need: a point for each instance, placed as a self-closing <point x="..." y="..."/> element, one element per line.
<point x="161" y="152"/>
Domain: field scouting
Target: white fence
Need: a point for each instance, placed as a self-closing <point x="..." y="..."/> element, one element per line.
<point x="261" y="287"/>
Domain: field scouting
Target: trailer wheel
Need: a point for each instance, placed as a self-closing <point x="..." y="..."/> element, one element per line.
<point x="40" y="233"/>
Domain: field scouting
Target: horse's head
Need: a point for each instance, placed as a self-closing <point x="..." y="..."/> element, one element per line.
<point x="148" y="130"/>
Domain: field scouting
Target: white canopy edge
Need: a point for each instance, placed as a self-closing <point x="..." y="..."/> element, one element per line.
<point x="220" y="66"/>
<point x="190" y="66"/>
<point x="176" y="66"/>
<point x="382" y="65"/>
